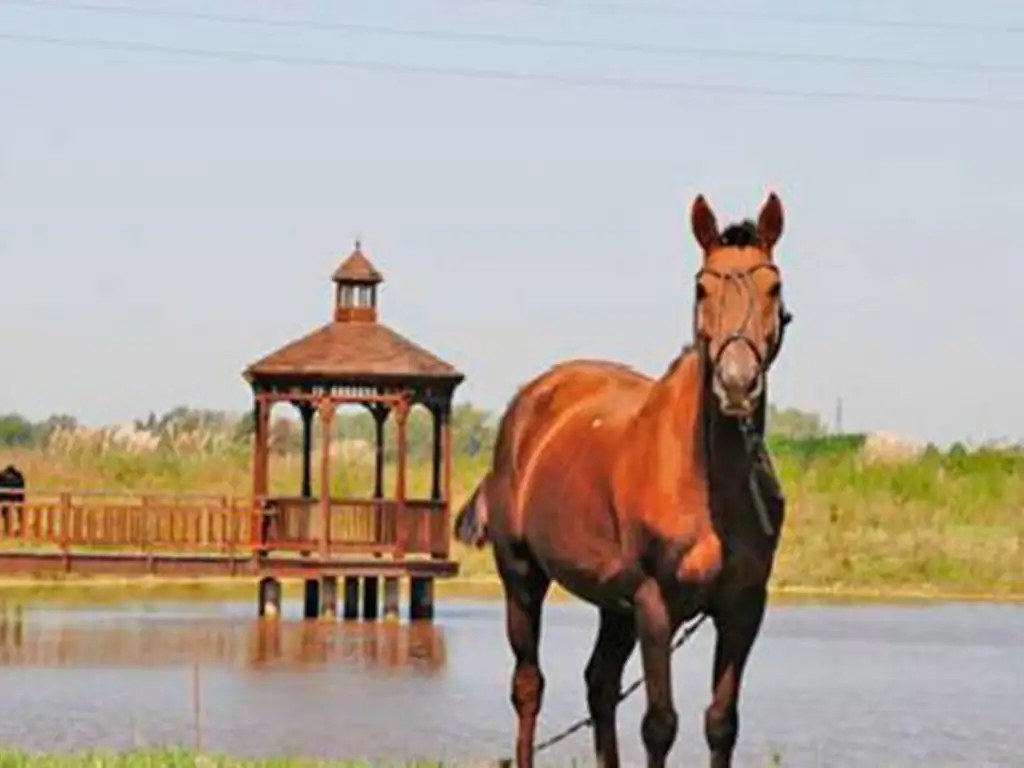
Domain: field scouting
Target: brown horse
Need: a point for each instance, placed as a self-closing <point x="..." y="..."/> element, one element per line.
<point x="652" y="499"/>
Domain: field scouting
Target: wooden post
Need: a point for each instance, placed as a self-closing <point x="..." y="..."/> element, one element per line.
<point x="260" y="469"/>
<point x="391" y="598"/>
<point x="329" y="598"/>
<point x="421" y="598"/>
<point x="446" y="506"/>
<point x="351" y="607"/>
<point x="326" y="419"/>
<point x="381" y="525"/>
<point x="270" y="597"/>
<point x="401" y="523"/>
<point x="306" y="412"/>
<point x="311" y="599"/>
<point x="371" y="598"/>
<point x="380" y="417"/>
<point x="435" y="465"/>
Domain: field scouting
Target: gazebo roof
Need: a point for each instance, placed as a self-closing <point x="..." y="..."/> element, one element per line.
<point x="353" y="348"/>
<point x="345" y="350"/>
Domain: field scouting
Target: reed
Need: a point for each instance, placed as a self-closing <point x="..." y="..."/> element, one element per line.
<point x="932" y="522"/>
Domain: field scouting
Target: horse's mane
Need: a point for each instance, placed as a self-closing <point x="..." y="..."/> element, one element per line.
<point x="741" y="235"/>
<point x="678" y="359"/>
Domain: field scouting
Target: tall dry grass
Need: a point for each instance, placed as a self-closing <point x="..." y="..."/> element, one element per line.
<point x="935" y="521"/>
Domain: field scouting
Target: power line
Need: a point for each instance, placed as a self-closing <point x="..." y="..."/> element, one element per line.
<point x="522" y="40"/>
<point x="597" y="81"/>
<point x="752" y="16"/>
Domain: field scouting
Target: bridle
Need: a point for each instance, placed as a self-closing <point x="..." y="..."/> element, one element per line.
<point x="753" y="439"/>
<point x="743" y="279"/>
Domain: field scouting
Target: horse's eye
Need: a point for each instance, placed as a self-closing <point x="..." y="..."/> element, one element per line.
<point x="775" y="291"/>
<point x="702" y="292"/>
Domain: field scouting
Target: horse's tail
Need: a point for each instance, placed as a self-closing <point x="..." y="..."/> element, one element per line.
<point x="471" y="522"/>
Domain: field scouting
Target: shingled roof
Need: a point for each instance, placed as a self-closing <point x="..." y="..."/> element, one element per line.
<point x="357" y="269"/>
<point x="353" y="350"/>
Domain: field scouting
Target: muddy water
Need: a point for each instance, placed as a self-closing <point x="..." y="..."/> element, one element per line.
<point x="829" y="686"/>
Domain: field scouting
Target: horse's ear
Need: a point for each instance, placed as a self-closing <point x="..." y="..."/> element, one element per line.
<point x="770" y="221"/>
<point x="703" y="223"/>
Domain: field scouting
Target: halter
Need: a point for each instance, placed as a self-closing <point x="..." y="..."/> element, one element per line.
<point x="743" y="279"/>
<point x="753" y="439"/>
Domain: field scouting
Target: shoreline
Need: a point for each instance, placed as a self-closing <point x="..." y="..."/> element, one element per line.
<point x="486" y="588"/>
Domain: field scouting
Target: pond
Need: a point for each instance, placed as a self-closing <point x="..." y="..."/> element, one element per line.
<point x="827" y="685"/>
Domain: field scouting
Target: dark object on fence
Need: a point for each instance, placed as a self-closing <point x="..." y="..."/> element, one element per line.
<point x="12" y="499"/>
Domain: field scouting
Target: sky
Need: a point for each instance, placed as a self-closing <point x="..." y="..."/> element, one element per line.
<point x="170" y="217"/>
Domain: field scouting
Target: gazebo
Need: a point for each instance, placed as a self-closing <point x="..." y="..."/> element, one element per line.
<point x="355" y="359"/>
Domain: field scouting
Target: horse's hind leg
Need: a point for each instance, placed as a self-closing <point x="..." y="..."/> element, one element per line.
<point x="616" y="638"/>
<point x="526" y="585"/>
<point x="737" y="626"/>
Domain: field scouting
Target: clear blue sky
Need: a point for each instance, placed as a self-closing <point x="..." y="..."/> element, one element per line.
<point x="168" y="219"/>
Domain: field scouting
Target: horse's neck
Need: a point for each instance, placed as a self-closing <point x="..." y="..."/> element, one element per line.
<point x="671" y="417"/>
<point x="726" y="456"/>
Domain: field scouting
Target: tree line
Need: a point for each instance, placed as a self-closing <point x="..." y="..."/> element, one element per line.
<point x="473" y="429"/>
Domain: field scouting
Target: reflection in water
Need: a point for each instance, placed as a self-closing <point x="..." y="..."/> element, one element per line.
<point x="252" y="644"/>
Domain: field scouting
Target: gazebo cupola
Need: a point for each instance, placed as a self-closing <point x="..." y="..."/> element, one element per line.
<point x="355" y="292"/>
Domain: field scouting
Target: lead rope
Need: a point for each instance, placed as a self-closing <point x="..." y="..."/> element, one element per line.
<point x="687" y="633"/>
<point x="755" y="449"/>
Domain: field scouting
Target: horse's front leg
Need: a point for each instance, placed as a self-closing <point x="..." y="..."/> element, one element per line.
<point x="654" y="628"/>
<point x="737" y="624"/>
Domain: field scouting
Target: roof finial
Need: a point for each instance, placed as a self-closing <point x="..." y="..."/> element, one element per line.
<point x="359" y="243"/>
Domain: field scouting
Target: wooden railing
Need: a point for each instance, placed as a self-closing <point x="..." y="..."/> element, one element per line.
<point x="203" y="523"/>
<point x="380" y="527"/>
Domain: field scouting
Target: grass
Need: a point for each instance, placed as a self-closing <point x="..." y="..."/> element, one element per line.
<point x="180" y="758"/>
<point x="173" y="758"/>
<point x="943" y="523"/>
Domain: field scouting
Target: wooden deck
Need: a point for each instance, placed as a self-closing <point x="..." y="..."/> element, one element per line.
<point x="98" y="533"/>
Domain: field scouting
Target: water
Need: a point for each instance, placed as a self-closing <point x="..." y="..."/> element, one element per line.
<point x="830" y="686"/>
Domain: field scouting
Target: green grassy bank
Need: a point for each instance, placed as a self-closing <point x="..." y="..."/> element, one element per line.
<point x="938" y="523"/>
<point x="171" y="759"/>
<point x="186" y="759"/>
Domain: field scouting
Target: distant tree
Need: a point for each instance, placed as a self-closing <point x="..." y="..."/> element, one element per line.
<point x="58" y="421"/>
<point x="16" y="431"/>
<point x="473" y="430"/>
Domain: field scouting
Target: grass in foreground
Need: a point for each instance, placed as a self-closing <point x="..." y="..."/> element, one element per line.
<point x="173" y="758"/>
<point x="186" y="759"/>
<point x="940" y="523"/>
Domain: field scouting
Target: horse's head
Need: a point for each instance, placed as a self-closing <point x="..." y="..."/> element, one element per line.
<point x="739" y="315"/>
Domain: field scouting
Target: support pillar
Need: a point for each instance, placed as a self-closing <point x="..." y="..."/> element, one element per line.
<point x="382" y="521"/>
<point x="306" y="411"/>
<point x="371" y="598"/>
<point x="401" y="533"/>
<point x="380" y="417"/>
<point x="326" y="420"/>
<point x="421" y="598"/>
<point x="269" y="598"/>
<point x="329" y="598"/>
<point x="435" y="465"/>
<point x="260" y="470"/>
<point x="311" y="599"/>
<point x="351" y="609"/>
<point x="391" y="598"/>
